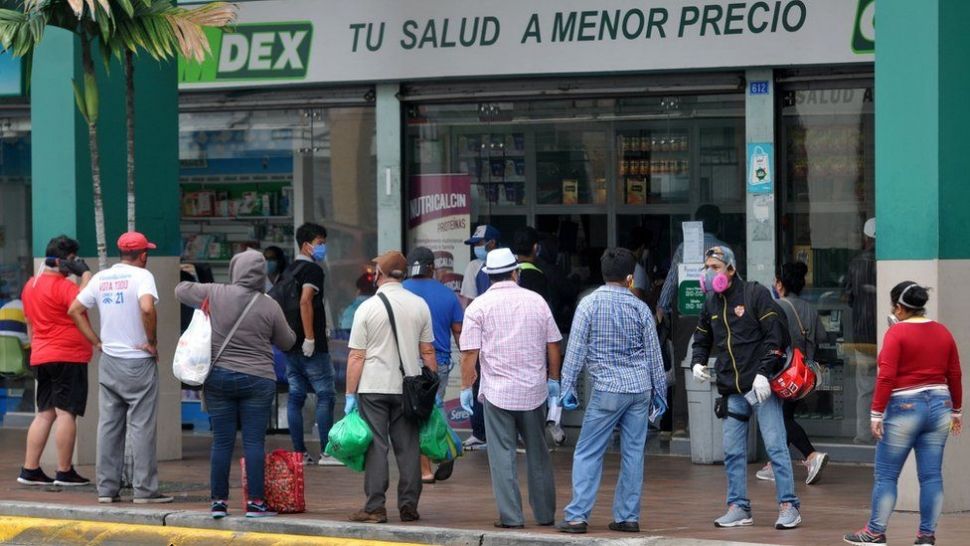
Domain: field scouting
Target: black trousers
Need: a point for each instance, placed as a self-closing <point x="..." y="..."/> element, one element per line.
<point x="796" y="434"/>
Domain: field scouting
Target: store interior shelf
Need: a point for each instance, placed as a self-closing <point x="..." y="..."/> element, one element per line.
<point x="214" y="219"/>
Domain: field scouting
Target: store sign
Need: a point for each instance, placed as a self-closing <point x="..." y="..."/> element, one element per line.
<point x="690" y="297"/>
<point x="253" y="52"/>
<point x="388" y="40"/>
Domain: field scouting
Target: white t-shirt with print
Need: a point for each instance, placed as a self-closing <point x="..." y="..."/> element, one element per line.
<point x="116" y="291"/>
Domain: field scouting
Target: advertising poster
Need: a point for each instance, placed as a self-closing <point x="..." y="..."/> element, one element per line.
<point x="439" y="219"/>
<point x="760" y="178"/>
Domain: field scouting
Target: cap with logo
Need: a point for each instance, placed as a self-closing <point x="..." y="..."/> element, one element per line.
<point x="392" y="263"/>
<point x="483" y="232"/>
<point x="420" y="261"/>
<point x="500" y="260"/>
<point x="132" y="241"/>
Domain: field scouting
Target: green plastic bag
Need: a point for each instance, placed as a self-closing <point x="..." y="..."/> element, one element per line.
<point x="438" y="442"/>
<point x="348" y="441"/>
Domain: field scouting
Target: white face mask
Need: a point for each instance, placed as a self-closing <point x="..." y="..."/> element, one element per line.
<point x="892" y="320"/>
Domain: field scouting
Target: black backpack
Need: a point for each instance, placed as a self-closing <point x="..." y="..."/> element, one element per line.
<point x="287" y="293"/>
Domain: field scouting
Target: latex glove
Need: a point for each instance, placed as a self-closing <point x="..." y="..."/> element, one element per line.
<point x="77" y="266"/>
<point x="466" y="398"/>
<point x="569" y="400"/>
<point x="350" y="403"/>
<point x="701" y="373"/>
<point x="438" y="401"/>
<point x="658" y="407"/>
<point x="308" y="345"/>
<point x="761" y="388"/>
<point x="554" y="390"/>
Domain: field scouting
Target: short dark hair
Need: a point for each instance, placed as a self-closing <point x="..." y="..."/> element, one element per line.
<point x="910" y="296"/>
<point x="61" y="247"/>
<point x="617" y="264"/>
<point x="711" y="216"/>
<point x="500" y="277"/>
<point x="792" y="277"/>
<point x="308" y="232"/>
<point x="131" y="255"/>
<point x="524" y="240"/>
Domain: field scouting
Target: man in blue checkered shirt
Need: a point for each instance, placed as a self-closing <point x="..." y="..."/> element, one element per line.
<point x="615" y="338"/>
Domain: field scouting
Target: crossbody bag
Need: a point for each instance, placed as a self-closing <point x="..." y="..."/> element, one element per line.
<point x="418" y="390"/>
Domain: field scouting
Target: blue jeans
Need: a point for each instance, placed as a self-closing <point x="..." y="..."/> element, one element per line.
<point x="771" y="421"/>
<point x="305" y="375"/>
<point x="232" y="399"/>
<point x="604" y="412"/>
<point x="920" y="422"/>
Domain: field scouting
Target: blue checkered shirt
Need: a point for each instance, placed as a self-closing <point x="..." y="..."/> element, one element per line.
<point x="614" y="336"/>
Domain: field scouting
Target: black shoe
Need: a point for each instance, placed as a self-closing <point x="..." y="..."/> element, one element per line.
<point x="576" y="528"/>
<point x="501" y="525"/>
<point x="220" y="509"/>
<point x="409" y="513"/>
<point x="444" y="470"/>
<point x="625" y="526"/>
<point x="547" y="524"/>
<point x="258" y="510"/>
<point x="863" y="537"/>
<point x="925" y="539"/>
<point x="70" y="478"/>
<point x="34" y="477"/>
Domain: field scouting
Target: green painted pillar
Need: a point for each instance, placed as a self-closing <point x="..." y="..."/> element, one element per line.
<point x="62" y="195"/>
<point x="922" y="216"/>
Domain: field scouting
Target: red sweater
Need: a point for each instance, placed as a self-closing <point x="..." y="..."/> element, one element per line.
<point x="917" y="354"/>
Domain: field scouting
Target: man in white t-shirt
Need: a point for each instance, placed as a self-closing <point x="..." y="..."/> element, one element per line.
<point x="125" y="295"/>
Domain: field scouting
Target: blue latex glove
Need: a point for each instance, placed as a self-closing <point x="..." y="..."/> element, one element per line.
<point x="350" y="403"/>
<point x="467" y="399"/>
<point x="569" y="400"/>
<point x="658" y="407"/>
<point x="553" y="386"/>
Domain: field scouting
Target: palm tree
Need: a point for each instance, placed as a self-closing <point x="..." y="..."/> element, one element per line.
<point x="116" y="26"/>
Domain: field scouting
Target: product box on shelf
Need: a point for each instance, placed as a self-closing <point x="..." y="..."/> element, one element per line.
<point x="636" y="191"/>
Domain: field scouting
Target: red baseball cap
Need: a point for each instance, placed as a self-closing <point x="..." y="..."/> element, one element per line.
<point x="133" y="240"/>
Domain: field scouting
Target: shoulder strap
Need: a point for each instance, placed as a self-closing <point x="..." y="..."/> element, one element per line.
<point x="291" y="272"/>
<point x="529" y="266"/>
<point x="390" y="316"/>
<point x="235" y="326"/>
<point x="801" y="327"/>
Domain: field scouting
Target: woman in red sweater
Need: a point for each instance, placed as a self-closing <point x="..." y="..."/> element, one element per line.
<point x="917" y="403"/>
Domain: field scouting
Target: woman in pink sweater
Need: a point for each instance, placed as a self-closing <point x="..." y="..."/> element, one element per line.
<point x="916" y="405"/>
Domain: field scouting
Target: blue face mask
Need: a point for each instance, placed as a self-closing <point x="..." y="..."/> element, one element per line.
<point x="271" y="266"/>
<point x="320" y="252"/>
<point x="481" y="252"/>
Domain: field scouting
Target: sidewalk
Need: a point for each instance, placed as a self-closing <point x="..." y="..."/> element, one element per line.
<point x="680" y="502"/>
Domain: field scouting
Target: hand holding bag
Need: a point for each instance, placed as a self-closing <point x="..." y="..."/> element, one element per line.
<point x="418" y="391"/>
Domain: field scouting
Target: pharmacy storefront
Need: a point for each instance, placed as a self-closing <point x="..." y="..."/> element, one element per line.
<point x="402" y="123"/>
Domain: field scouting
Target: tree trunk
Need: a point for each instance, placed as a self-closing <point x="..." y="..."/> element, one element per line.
<point x="130" y="118"/>
<point x="95" y="166"/>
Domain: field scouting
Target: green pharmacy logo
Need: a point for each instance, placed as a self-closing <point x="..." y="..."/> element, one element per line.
<point x="261" y="51"/>
<point x="864" y="35"/>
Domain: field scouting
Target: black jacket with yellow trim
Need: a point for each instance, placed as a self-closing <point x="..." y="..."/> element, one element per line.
<point x="747" y="341"/>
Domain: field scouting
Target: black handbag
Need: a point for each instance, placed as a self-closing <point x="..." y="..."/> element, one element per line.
<point x="418" y="391"/>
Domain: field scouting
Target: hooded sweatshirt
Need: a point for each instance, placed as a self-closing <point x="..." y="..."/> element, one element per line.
<point x="250" y="350"/>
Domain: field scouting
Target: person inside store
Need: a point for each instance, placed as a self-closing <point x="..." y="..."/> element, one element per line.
<point x="750" y="347"/>
<point x="365" y="289"/>
<point x="917" y="403"/>
<point x="242" y="384"/>
<point x="859" y="291"/>
<point x="475" y="282"/>
<point x="525" y="245"/>
<point x="275" y="265"/>
<point x="807" y="333"/>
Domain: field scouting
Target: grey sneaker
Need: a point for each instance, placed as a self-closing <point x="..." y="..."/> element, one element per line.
<point x="308" y="459"/>
<point x="327" y="460"/>
<point x="472" y="443"/>
<point x="766" y="473"/>
<point x="735" y="517"/>
<point x="788" y="516"/>
<point x="815" y="466"/>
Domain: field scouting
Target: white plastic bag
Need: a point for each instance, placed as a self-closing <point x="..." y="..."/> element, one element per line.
<point x="193" y="355"/>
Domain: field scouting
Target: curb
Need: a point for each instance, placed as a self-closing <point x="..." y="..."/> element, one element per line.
<point x="327" y="528"/>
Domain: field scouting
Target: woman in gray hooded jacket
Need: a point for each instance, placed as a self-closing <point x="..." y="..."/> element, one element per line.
<point x="242" y="383"/>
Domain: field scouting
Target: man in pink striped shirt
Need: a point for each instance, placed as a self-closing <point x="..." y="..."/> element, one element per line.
<point x="512" y="331"/>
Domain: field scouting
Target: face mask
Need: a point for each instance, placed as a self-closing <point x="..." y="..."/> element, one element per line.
<point x="271" y="266"/>
<point x="713" y="281"/>
<point x="481" y="253"/>
<point x="320" y="252"/>
<point x="775" y="294"/>
<point x="892" y="320"/>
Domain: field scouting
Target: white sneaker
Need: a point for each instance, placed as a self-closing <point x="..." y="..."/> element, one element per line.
<point x="327" y="460"/>
<point x="766" y="473"/>
<point x="472" y="443"/>
<point x="815" y="466"/>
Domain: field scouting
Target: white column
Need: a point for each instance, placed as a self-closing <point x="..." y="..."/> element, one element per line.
<point x="759" y="124"/>
<point x="389" y="219"/>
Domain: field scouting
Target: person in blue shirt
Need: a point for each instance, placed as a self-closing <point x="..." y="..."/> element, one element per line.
<point x="614" y="337"/>
<point x="446" y="319"/>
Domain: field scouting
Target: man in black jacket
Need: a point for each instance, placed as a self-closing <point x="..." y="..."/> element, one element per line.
<point x="748" y="332"/>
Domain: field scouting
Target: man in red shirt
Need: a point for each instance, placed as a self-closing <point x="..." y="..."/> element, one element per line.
<point x="59" y="358"/>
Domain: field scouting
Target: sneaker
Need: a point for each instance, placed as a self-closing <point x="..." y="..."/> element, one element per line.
<point x="258" y="510"/>
<point x="815" y="466"/>
<point x="307" y="459"/>
<point x="220" y="509"/>
<point x="34" y="477"/>
<point x="157" y="498"/>
<point x="788" y="516"/>
<point x="863" y="537"/>
<point x="472" y="443"/>
<point x="362" y="516"/>
<point x="766" y="473"/>
<point x="109" y="500"/>
<point x="70" y="478"/>
<point x="327" y="460"/>
<point x="925" y="539"/>
<point x="735" y="517"/>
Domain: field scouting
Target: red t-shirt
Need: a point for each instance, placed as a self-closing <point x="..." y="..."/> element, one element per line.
<point x="917" y="354"/>
<point x="55" y="337"/>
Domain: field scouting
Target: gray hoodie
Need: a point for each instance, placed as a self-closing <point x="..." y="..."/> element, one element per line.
<point x="250" y="350"/>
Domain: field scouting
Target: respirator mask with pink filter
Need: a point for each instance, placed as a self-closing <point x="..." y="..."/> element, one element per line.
<point x="714" y="281"/>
